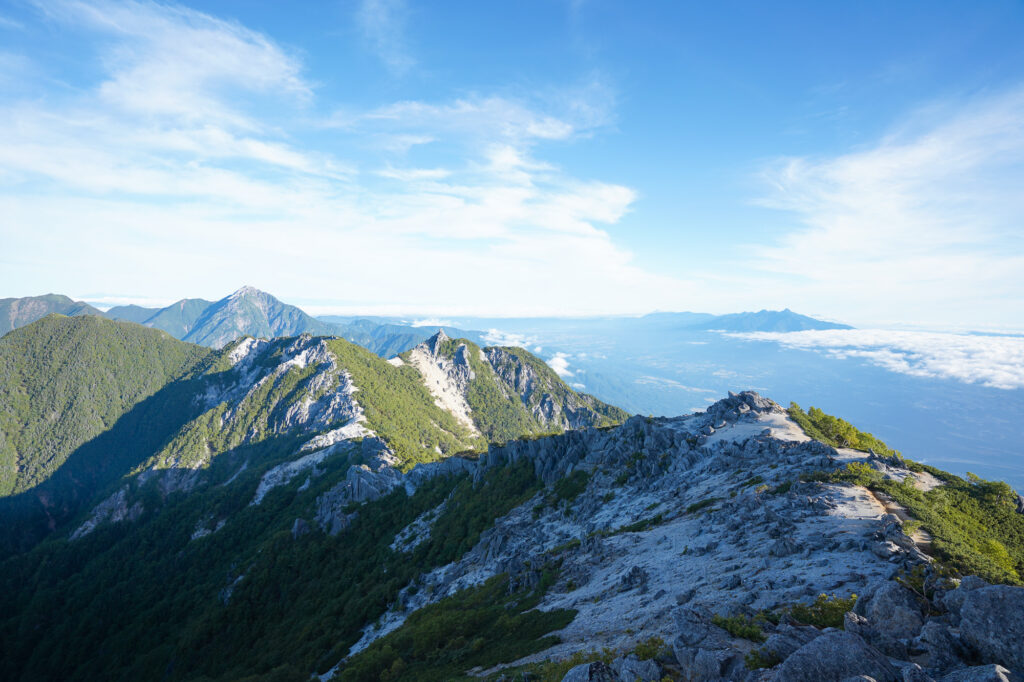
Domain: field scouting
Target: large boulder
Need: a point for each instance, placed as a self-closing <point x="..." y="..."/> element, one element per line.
<point x="992" y="623"/>
<point x="887" y="644"/>
<point x="704" y="651"/>
<point x="895" y="611"/>
<point x="954" y="599"/>
<point x="590" y="672"/>
<point x="944" y="648"/>
<point x="786" y="639"/>
<point x="632" y="669"/>
<point x="982" y="673"/>
<point x="834" y="656"/>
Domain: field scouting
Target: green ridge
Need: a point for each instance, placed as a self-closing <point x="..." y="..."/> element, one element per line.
<point x="65" y="380"/>
<point x="399" y="408"/>
<point x="18" y="312"/>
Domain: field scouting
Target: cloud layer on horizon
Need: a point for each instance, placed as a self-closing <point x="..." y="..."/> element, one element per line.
<point x="994" y="361"/>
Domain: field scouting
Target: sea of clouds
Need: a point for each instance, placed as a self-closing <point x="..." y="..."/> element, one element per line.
<point x="995" y="361"/>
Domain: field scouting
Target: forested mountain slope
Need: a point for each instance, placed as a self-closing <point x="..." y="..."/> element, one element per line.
<point x="177" y="319"/>
<point x="65" y="380"/>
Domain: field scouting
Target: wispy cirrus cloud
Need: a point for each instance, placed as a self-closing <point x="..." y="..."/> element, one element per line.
<point x="925" y="223"/>
<point x="171" y="61"/>
<point x="383" y="24"/>
<point x="996" y="361"/>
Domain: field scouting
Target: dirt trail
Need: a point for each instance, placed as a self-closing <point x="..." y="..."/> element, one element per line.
<point x="921" y="537"/>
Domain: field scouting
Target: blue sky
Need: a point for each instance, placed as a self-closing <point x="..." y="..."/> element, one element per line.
<point x="857" y="161"/>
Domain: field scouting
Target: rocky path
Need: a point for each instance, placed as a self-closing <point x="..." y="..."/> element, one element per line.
<point x="922" y="538"/>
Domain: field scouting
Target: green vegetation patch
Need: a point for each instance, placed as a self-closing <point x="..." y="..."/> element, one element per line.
<point x="740" y="626"/>
<point x="703" y="504"/>
<point x="824" y="612"/>
<point x="399" y="408"/>
<point x="836" y="432"/>
<point x="635" y="527"/>
<point x="481" y="626"/>
<point x="570" y="487"/>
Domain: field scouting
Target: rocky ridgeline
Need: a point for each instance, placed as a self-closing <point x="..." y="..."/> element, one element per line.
<point x="678" y="523"/>
<point x="574" y="411"/>
<point x="447" y="372"/>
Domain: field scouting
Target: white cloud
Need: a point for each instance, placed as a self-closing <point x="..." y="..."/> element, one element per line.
<point x="560" y="363"/>
<point x="996" y="361"/>
<point x="414" y="174"/>
<point x="383" y="25"/>
<point x="923" y="227"/>
<point x="171" y="60"/>
<point x="432" y="322"/>
<point x="187" y="146"/>
<point x="665" y="382"/>
<point x="476" y="117"/>
<point x="497" y="337"/>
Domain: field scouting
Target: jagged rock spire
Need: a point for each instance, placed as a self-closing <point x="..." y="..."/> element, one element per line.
<point x="435" y="341"/>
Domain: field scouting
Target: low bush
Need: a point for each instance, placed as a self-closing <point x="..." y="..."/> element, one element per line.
<point x="740" y="626"/>
<point x="824" y="612"/>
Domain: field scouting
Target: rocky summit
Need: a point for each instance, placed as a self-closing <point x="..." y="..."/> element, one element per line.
<point x="698" y="532"/>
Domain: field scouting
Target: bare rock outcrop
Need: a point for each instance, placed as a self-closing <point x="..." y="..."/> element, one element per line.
<point x="836" y="655"/>
<point x="992" y="623"/>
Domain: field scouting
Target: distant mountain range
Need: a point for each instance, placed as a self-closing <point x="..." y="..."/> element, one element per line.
<point x="765" y="321"/>
<point x="251" y="312"/>
<point x="17" y="312"/>
<point x="177" y="319"/>
<point x="246" y="312"/>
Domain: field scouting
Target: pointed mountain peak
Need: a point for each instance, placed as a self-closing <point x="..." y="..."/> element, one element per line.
<point x="436" y="341"/>
<point x="247" y="291"/>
